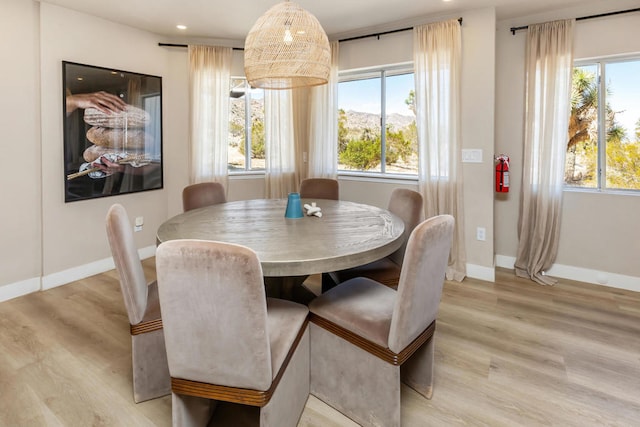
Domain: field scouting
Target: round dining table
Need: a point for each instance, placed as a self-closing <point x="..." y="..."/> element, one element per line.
<point x="347" y="234"/>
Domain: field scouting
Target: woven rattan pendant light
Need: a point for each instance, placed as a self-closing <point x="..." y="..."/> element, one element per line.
<point x="286" y="48"/>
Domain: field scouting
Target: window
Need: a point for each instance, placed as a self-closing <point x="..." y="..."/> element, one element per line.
<point x="367" y="103"/>
<point x="603" y="149"/>
<point x="246" y="127"/>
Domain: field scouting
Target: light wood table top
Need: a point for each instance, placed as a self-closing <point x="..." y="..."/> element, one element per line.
<point x="347" y="235"/>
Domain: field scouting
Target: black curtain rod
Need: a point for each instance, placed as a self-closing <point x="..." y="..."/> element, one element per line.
<point x="382" y="34"/>
<point x="341" y="40"/>
<point x="582" y="18"/>
<point x="186" y="45"/>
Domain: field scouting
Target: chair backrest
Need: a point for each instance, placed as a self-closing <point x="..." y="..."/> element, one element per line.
<point x="133" y="283"/>
<point x="421" y="280"/>
<point x="407" y="204"/>
<point x="214" y="313"/>
<point x="196" y="196"/>
<point x="320" y="188"/>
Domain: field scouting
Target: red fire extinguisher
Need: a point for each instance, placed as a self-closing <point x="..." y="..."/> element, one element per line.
<point x="502" y="174"/>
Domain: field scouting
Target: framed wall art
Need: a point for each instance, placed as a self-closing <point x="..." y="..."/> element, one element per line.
<point x="112" y="131"/>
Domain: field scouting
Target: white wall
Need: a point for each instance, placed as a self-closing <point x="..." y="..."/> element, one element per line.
<point x="20" y="175"/>
<point x="600" y="239"/>
<point x="73" y="234"/>
<point x="478" y="105"/>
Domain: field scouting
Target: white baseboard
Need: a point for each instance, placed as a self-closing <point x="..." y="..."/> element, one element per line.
<point x="480" y="272"/>
<point x="80" y="272"/>
<point x="14" y="290"/>
<point x="76" y="273"/>
<point x="18" y="289"/>
<point x="147" y="252"/>
<point x="505" y="261"/>
<point x="587" y="275"/>
<point x="24" y="287"/>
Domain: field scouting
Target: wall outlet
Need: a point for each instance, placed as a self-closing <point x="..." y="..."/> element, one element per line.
<point x="481" y="234"/>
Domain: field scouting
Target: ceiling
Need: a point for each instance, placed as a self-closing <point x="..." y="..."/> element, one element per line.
<point x="232" y="20"/>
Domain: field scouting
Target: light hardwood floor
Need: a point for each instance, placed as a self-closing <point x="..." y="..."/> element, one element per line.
<point x="511" y="353"/>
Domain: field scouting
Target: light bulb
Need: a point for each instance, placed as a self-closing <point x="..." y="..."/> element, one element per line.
<point x="288" y="38"/>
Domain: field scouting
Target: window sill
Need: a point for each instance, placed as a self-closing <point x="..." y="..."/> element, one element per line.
<point x="607" y="191"/>
<point x="246" y="175"/>
<point x="377" y="177"/>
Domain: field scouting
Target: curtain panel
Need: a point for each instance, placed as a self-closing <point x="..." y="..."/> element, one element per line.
<point x="549" y="65"/>
<point x="209" y="79"/>
<point x="323" y="134"/>
<point x="437" y="61"/>
<point x="281" y="174"/>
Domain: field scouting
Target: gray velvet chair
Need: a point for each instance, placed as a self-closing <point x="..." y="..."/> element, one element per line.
<point x="367" y="337"/>
<point x="227" y="342"/>
<point x="149" y="359"/>
<point x="196" y="196"/>
<point x="408" y="205"/>
<point x="320" y="188"/>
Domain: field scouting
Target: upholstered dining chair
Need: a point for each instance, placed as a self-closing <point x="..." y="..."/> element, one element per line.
<point x="149" y="359"/>
<point x="320" y="188"/>
<point x="203" y="194"/>
<point x="407" y="204"/>
<point x="368" y="337"/>
<point x="227" y="342"/>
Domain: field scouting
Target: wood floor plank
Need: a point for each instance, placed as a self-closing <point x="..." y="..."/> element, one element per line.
<point x="510" y="353"/>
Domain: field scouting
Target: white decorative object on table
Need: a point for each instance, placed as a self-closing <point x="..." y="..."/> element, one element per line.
<point x="312" y="209"/>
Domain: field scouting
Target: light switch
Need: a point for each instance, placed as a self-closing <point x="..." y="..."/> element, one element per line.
<point x="472" y="155"/>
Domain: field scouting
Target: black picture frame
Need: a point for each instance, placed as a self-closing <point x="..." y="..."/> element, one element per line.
<point x="112" y="121"/>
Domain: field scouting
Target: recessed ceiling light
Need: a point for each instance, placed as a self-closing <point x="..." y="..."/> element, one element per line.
<point x="80" y="78"/>
<point x="181" y="27"/>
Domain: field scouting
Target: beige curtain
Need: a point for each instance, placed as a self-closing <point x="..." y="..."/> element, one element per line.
<point x="281" y="177"/>
<point x="437" y="62"/>
<point x="549" y="63"/>
<point x="209" y="80"/>
<point x="301" y="99"/>
<point x="323" y="138"/>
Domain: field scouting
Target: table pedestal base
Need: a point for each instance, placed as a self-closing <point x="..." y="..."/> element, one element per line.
<point x="290" y="288"/>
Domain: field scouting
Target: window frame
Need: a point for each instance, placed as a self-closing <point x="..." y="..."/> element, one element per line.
<point x="600" y="63"/>
<point x="381" y="72"/>
<point x="248" y="170"/>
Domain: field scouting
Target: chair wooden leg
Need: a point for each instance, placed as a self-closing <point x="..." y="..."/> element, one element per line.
<point x="417" y="371"/>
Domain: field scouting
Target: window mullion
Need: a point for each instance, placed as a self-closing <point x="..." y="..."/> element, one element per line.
<point x="383" y="121"/>
<point x="602" y="128"/>
<point x="247" y="127"/>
